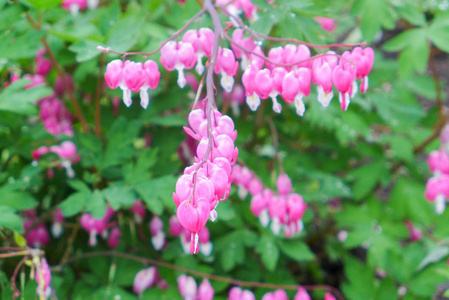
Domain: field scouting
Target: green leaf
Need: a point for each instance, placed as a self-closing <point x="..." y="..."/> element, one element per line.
<point x="44" y="4"/>
<point x="9" y="219"/>
<point x="438" y="32"/>
<point x="435" y="255"/>
<point x="407" y="200"/>
<point x="266" y="21"/>
<point x="74" y="204"/>
<point x="85" y="50"/>
<point x="157" y="191"/>
<point x="79" y="185"/>
<point x="269" y="251"/>
<point x="20" y="240"/>
<point x="413" y="13"/>
<point x="124" y="34"/>
<point x="19" y="47"/>
<point x="15" y="199"/>
<point x="297" y="250"/>
<point x="366" y="178"/>
<point x="401" y="147"/>
<point x="118" y="196"/>
<point x="18" y="100"/>
<point x="402" y="40"/>
<point x="96" y="205"/>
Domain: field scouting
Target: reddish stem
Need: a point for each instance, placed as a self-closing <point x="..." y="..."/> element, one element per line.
<point x="175" y="35"/>
<point x="205" y="275"/>
<point x="283" y="40"/>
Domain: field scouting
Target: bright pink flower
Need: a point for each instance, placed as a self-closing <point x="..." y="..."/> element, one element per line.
<point x="249" y="82"/>
<point x="193" y="216"/>
<point x="328" y="296"/>
<point x="38" y="236"/>
<point x="202" y="42"/>
<point x="246" y="43"/>
<point x="284" y="184"/>
<point x="43" y="65"/>
<point x="114" y="238"/>
<point x="151" y="81"/>
<point x="276" y="295"/>
<point x="74" y="6"/>
<point x="205" y="291"/>
<point x="363" y="60"/>
<point x="414" y="233"/>
<point x="39" y="152"/>
<point x="438" y="161"/>
<point x="302" y="294"/>
<point x="327" y="24"/>
<point x="187" y="287"/>
<point x="237" y="293"/>
<point x="43" y="278"/>
<point x="145" y="279"/>
<point x="343" y="77"/>
<point x="322" y="77"/>
<point x="178" y="56"/>
<point x="437" y="190"/>
<point x="158" y="236"/>
<point x="138" y="209"/>
<point x="227" y="66"/>
<point x="298" y="55"/>
<point x="114" y="74"/>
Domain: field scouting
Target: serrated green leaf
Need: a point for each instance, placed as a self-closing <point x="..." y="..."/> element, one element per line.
<point x="156" y="192"/>
<point x="297" y="250"/>
<point x="96" y="205"/>
<point x="9" y="219"/>
<point x="269" y="251"/>
<point x="18" y="100"/>
<point x="118" y="196"/>
<point x="85" y="50"/>
<point x="79" y="185"/>
<point x="15" y="199"/>
<point x="74" y="204"/>
<point x="433" y="256"/>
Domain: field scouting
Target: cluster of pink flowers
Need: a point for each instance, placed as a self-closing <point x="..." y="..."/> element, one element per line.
<point x="66" y="153"/>
<point x="56" y="118"/>
<point x="133" y="77"/>
<point x="195" y="45"/>
<point x="95" y="226"/>
<point x="209" y="179"/>
<point x="189" y="290"/>
<point x="36" y="234"/>
<point x="147" y="278"/>
<point x="293" y="70"/>
<point x="177" y="230"/>
<point x="284" y="209"/>
<point x="437" y="188"/>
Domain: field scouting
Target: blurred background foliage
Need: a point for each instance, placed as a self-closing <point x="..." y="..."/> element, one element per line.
<point x="362" y="171"/>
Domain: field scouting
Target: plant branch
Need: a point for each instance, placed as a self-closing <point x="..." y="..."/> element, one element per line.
<point x="98" y="92"/>
<point x="283" y="40"/>
<point x="201" y="274"/>
<point x="62" y="74"/>
<point x="175" y="35"/>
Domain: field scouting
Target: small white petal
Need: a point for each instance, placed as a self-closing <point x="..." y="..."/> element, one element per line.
<point x="253" y="101"/>
<point x="264" y="218"/>
<point x="227" y="82"/>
